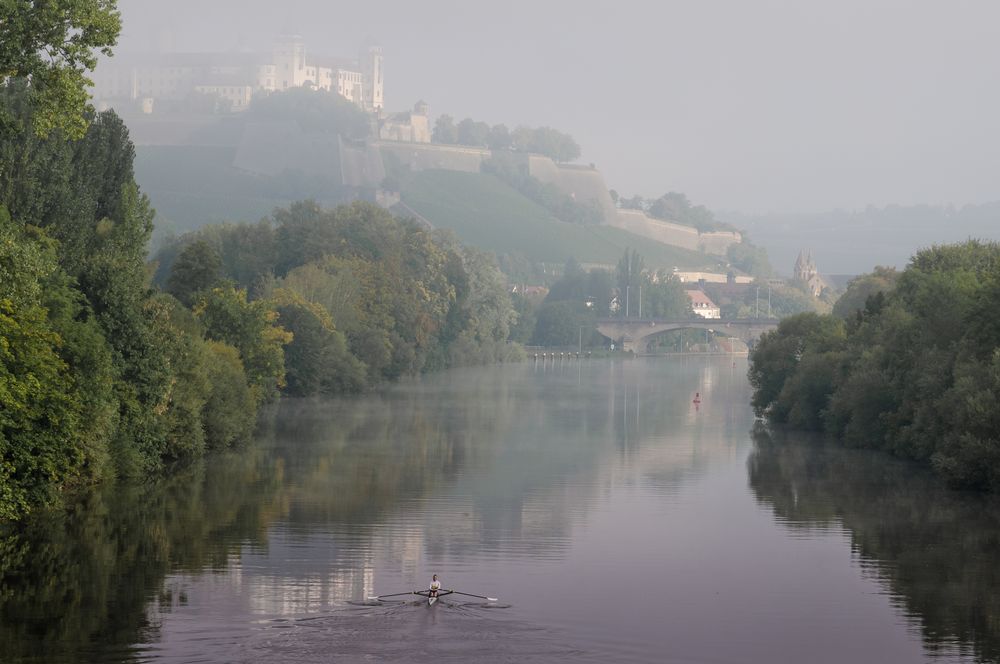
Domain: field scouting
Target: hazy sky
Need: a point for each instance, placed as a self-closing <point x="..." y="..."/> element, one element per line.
<point x="781" y="105"/>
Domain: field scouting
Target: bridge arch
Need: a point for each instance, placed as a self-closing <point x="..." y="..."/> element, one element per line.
<point x="635" y="334"/>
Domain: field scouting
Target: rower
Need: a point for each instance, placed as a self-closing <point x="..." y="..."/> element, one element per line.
<point x="435" y="586"/>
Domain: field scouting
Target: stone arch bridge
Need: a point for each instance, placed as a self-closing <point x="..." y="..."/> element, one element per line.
<point x="636" y="334"/>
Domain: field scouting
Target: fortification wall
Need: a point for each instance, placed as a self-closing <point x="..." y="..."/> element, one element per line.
<point x="428" y="156"/>
<point x="718" y="242"/>
<point x="583" y="183"/>
<point x="361" y="166"/>
<point x="636" y="221"/>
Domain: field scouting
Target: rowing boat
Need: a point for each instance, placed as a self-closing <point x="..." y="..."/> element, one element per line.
<point x="431" y="599"/>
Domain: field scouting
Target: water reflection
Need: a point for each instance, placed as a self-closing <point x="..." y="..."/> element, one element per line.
<point x="936" y="550"/>
<point x="506" y="478"/>
<point x="75" y="583"/>
<point x="470" y="466"/>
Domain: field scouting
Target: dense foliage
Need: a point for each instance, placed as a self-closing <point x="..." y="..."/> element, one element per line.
<point x="749" y="258"/>
<point x="766" y="299"/>
<point x="99" y="376"/>
<point x="538" y="140"/>
<point x="673" y="206"/>
<point x="314" y="111"/>
<point x="103" y="376"/>
<point x="916" y="371"/>
<point x="365" y="297"/>
<point x="574" y="303"/>
<point x="53" y="45"/>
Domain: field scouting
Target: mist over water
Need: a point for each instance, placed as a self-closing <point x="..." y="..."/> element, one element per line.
<point x="612" y="517"/>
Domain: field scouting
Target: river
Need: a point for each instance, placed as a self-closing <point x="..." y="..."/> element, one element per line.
<point x="614" y="518"/>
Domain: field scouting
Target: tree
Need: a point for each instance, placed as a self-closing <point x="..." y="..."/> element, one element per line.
<point x="40" y="425"/>
<point x="252" y="327"/>
<point x="474" y="133"/>
<point x="546" y="141"/>
<point x="776" y="357"/>
<point x="197" y="268"/>
<point x="445" y="130"/>
<point x="750" y="259"/>
<point x="665" y="298"/>
<point x="499" y="137"/>
<point x="314" y="111"/>
<point x="629" y="277"/>
<point x="316" y="360"/>
<point x="53" y="44"/>
<point x="881" y="280"/>
<point x="559" y="324"/>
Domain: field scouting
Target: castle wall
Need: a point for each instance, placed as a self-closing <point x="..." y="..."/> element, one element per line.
<point x="636" y="221"/>
<point x="426" y="156"/>
<point x="718" y="242"/>
<point x="361" y="166"/>
<point x="583" y="183"/>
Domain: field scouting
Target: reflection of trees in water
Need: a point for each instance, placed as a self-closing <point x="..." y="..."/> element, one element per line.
<point x="936" y="549"/>
<point x="75" y="582"/>
<point x="524" y="452"/>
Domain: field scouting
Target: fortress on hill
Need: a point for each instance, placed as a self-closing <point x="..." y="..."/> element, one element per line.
<point x="187" y="99"/>
<point x="232" y="79"/>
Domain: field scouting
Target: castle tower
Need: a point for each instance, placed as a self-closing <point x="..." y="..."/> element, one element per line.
<point x="371" y="70"/>
<point x="289" y="61"/>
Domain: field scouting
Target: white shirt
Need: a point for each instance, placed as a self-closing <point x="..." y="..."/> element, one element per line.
<point x="435" y="585"/>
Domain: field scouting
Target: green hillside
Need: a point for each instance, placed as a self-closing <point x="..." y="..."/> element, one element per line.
<point x="486" y="212"/>
<point x="191" y="186"/>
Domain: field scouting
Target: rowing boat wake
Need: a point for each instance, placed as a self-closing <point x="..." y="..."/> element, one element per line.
<point x="411" y="632"/>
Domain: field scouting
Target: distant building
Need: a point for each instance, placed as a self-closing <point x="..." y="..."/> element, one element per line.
<point x="410" y="126"/>
<point x="702" y="305"/>
<point x="711" y="278"/>
<point x="235" y="77"/>
<point x="806" y="273"/>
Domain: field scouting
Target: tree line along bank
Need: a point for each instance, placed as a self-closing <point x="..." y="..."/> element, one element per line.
<point x="908" y="362"/>
<point x="103" y="373"/>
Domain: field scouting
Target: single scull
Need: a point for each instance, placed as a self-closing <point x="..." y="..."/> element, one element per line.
<point x="431" y="599"/>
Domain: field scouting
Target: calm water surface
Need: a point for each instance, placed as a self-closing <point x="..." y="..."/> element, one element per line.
<point x="615" y="519"/>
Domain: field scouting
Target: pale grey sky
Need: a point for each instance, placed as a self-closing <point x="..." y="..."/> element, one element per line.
<point x="757" y="106"/>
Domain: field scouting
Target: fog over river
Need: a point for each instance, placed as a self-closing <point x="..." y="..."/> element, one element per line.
<point x="615" y="519"/>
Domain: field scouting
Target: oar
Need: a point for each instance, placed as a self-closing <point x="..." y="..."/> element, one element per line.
<point x="408" y="592"/>
<point x="488" y="599"/>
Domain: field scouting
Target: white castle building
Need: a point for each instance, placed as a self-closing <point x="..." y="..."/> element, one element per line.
<point x="233" y="78"/>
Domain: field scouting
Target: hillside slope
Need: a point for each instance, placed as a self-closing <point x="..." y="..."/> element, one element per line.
<point x="486" y="212"/>
<point x="191" y="186"/>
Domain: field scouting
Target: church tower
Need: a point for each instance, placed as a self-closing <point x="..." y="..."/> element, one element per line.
<point x="805" y="272"/>
<point x="805" y="268"/>
<point x="371" y="70"/>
